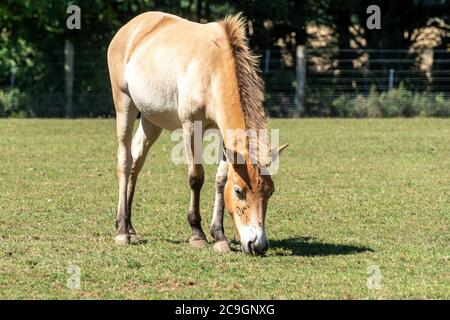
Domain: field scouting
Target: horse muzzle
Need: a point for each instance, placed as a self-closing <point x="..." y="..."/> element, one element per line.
<point x="253" y="240"/>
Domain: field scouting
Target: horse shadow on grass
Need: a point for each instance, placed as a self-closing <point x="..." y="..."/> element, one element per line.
<point x="310" y="247"/>
<point x="299" y="246"/>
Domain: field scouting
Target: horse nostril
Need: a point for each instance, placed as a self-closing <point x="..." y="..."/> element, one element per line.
<point x="260" y="251"/>
<point x="250" y="247"/>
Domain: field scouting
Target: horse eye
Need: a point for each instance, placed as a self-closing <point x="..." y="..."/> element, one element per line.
<point x="239" y="193"/>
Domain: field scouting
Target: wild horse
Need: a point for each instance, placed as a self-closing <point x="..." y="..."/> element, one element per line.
<point x="176" y="72"/>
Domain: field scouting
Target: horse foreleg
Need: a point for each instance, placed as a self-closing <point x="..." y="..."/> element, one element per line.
<point x="196" y="178"/>
<point x="217" y="231"/>
<point x="146" y="135"/>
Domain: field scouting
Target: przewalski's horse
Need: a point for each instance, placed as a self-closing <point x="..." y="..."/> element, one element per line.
<point x="175" y="72"/>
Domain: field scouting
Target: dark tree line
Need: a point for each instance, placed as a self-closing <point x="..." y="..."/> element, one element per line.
<point x="32" y="33"/>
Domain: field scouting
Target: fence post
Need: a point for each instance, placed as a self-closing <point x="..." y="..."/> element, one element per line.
<point x="12" y="83"/>
<point x="12" y="79"/>
<point x="300" y="79"/>
<point x="391" y="78"/>
<point x="267" y="61"/>
<point x="68" y="70"/>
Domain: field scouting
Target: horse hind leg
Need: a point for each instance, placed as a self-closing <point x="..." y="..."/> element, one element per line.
<point x="196" y="179"/>
<point x="145" y="136"/>
<point x="126" y="114"/>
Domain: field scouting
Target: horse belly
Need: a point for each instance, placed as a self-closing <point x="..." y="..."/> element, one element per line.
<point x="155" y="97"/>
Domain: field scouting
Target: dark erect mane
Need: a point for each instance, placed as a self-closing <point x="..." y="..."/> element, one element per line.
<point x="250" y="84"/>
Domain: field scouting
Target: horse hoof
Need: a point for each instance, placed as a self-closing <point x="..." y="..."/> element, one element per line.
<point x="122" y="239"/>
<point x="221" y="246"/>
<point x="198" y="242"/>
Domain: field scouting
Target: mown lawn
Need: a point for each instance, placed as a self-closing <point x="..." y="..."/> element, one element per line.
<point x="350" y="194"/>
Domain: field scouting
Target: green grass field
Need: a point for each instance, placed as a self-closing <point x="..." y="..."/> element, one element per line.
<point x="350" y="194"/>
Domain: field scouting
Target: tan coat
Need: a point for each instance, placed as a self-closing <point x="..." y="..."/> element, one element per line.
<point x="175" y="72"/>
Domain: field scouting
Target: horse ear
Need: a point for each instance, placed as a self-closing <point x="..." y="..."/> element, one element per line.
<point x="276" y="153"/>
<point x="280" y="149"/>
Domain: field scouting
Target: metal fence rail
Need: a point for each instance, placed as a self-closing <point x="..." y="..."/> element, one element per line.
<point x="331" y="73"/>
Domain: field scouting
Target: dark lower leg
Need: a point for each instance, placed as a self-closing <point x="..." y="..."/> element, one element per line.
<point x="130" y="195"/>
<point x="196" y="180"/>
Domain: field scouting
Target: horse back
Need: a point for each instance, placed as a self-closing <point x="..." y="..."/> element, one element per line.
<point x="125" y="41"/>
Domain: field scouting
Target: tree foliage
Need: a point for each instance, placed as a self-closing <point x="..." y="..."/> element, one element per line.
<point x="32" y="33"/>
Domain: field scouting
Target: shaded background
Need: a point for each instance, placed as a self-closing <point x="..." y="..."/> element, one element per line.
<point x="351" y="71"/>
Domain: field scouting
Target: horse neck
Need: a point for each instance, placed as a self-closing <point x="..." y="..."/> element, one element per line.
<point x="230" y="119"/>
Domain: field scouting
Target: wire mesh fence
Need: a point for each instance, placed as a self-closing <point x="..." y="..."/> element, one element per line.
<point x="336" y="75"/>
<point x="337" y="82"/>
